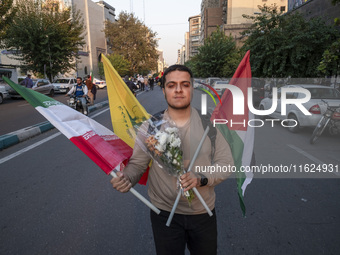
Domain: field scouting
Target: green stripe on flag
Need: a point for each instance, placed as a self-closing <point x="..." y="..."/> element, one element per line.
<point x="31" y="96"/>
<point x="236" y="146"/>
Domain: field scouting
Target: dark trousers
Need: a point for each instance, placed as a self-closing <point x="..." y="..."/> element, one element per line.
<point x="199" y="232"/>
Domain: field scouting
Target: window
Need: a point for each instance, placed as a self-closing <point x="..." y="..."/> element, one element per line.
<point x="283" y="8"/>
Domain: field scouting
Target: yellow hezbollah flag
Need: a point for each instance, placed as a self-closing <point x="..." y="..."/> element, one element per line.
<point x="125" y="109"/>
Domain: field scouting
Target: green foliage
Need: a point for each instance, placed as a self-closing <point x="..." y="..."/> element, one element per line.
<point x="45" y="37"/>
<point x="286" y="45"/>
<point x="131" y="39"/>
<point x="121" y="65"/>
<point x="218" y="56"/>
<point x="330" y="63"/>
<point x="7" y="12"/>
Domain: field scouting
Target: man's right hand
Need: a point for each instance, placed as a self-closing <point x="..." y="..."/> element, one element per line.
<point x="121" y="183"/>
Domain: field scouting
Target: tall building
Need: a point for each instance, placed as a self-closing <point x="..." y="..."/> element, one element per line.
<point x="194" y="36"/>
<point x="94" y="15"/>
<point x="228" y="14"/>
<point x="211" y="17"/>
<point x="323" y="9"/>
<point x="160" y="61"/>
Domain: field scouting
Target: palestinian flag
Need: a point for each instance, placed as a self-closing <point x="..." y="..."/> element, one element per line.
<point x="239" y="136"/>
<point x="96" y="141"/>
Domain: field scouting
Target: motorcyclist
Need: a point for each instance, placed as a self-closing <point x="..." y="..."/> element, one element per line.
<point x="131" y="85"/>
<point x="80" y="91"/>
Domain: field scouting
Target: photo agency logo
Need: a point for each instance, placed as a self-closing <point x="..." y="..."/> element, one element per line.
<point x="275" y="104"/>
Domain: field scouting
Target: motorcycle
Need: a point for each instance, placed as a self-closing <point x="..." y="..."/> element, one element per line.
<point x="331" y="118"/>
<point x="75" y="103"/>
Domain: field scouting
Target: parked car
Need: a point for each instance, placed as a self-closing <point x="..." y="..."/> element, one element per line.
<point x="211" y="80"/>
<point x="220" y="86"/>
<point x="64" y="85"/>
<point x="315" y="105"/>
<point x="197" y="83"/>
<point x="40" y="85"/>
<point x="100" y="84"/>
<point x="3" y="93"/>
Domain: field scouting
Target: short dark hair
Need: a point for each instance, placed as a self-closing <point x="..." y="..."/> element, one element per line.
<point x="79" y="78"/>
<point x="88" y="76"/>
<point x="175" y="68"/>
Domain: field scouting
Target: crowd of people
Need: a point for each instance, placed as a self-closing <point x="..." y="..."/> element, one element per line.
<point x="141" y="82"/>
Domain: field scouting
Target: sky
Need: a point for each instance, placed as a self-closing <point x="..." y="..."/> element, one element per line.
<point x="169" y="19"/>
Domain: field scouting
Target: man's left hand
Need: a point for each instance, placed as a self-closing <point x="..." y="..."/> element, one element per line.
<point x="190" y="180"/>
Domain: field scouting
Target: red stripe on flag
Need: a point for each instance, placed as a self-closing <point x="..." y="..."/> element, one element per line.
<point x="107" y="152"/>
<point x="242" y="80"/>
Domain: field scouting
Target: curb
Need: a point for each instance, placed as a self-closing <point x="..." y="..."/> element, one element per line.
<point x="24" y="134"/>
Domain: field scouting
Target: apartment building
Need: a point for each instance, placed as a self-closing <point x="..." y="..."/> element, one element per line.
<point x="229" y="15"/>
<point x="94" y="14"/>
<point x="194" y="35"/>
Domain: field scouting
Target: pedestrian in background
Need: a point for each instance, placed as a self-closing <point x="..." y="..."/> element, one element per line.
<point x="151" y="83"/>
<point x="27" y="82"/>
<point x="146" y="81"/>
<point x="141" y="80"/>
<point x="89" y="86"/>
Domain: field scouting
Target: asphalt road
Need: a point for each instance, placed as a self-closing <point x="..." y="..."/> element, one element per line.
<point x="54" y="200"/>
<point x="17" y="113"/>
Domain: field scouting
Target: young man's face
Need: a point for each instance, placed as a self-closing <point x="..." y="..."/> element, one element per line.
<point x="177" y="89"/>
<point x="79" y="81"/>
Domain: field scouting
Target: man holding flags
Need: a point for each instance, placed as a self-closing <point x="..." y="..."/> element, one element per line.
<point x="191" y="225"/>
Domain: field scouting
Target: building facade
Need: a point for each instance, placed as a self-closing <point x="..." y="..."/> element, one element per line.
<point x="194" y="36"/>
<point x="94" y="15"/>
<point x="323" y="9"/>
<point x="228" y="14"/>
<point x="211" y="17"/>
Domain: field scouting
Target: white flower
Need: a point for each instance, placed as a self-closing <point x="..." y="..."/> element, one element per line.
<point x="158" y="134"/>
<point x="160" y="147"/>
<point x="163" y="139"/>
<point x="174" y="162"/>
<point x="168" y="154"/>
<point x="171" y="130"/>
<point x="176" y="142"/>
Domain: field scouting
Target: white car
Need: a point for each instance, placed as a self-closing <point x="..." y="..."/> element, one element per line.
<point x="42" y="86"/>
<point x="63" y="85"/>
<point x="315" y="105"/>
<point x="220" y="86"/>
<point x="3" y="93"/>
<point x="100" y="84"/>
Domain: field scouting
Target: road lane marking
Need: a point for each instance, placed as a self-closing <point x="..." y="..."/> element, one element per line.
<point x="13" y="155"/>
<point x="28" y="148"/>
<point x="306" y="154"/>
<point x="20" y="105"/>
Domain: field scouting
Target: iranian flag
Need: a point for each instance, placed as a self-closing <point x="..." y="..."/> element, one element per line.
<point x="100" y="144"/>
<point x="236" y="131"/>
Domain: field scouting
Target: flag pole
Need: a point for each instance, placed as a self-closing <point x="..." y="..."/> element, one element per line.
<point x="139" y="196"/>
<point x="194" y="189"/>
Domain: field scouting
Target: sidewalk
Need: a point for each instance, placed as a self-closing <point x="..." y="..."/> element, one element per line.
<point x="21" y="135"/>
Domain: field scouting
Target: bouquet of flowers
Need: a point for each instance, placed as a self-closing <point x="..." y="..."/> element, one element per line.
<point x="165" y="146"/>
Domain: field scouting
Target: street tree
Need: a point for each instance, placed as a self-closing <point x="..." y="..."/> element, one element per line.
<point x="121" y="65"/>
<point x="218" y="56"/>
<point x="286" y="45"/>
<point x="330" y="63"/>
<point x="130" y="38"/>
<point x="44" y="37"/>
<point x="7" y="12"/>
